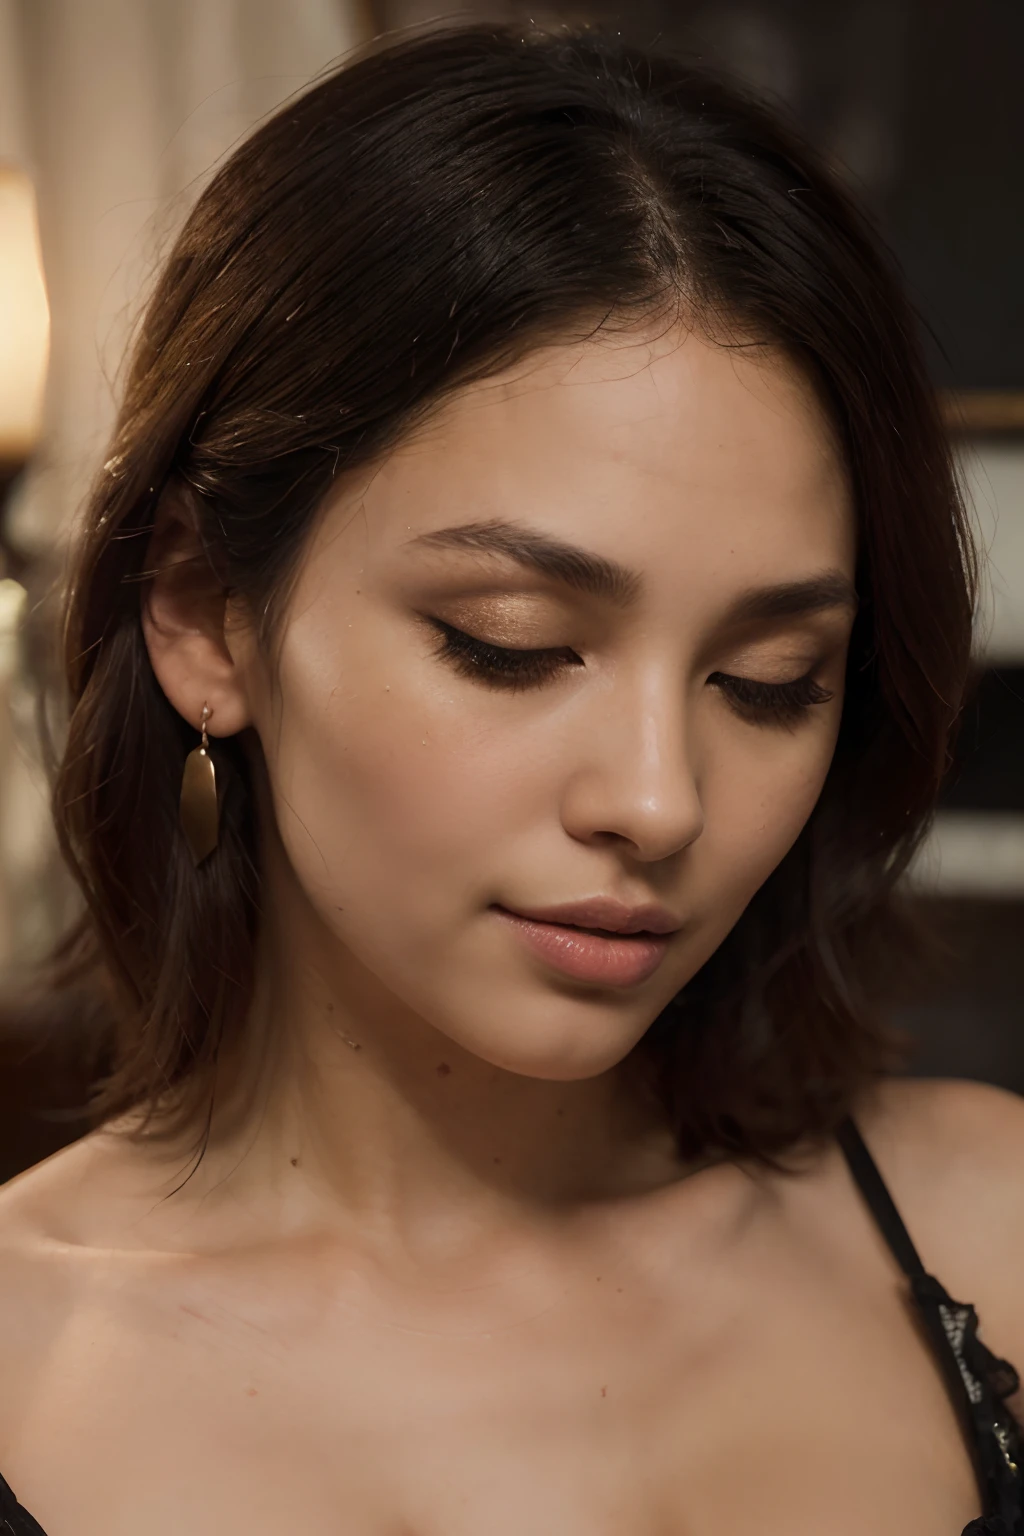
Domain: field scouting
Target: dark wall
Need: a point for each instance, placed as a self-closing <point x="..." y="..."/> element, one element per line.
<point x="920" y="104"/>
<point x="968" y="1021"/>
<point x="44" y="1085"/>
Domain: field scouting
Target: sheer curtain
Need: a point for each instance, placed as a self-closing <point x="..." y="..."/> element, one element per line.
<point x="119" y="109"/>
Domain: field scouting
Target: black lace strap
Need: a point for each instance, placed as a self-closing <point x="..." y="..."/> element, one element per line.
<point x="878" y="1200"/>
<point x="15" y="1521"/>
<point x="976" y="1380"/>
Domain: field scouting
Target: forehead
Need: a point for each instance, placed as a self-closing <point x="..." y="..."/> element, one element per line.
<point x="675" y="455"/>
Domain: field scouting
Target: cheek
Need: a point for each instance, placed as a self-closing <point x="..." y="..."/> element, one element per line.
<point x="385" y="793"/>
<point x="757" y="800"/>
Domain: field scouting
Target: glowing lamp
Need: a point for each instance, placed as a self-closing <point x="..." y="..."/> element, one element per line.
<point x="24" y="321"/>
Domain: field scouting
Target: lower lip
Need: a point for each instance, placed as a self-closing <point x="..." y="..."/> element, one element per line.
<point x="621" y="960"/>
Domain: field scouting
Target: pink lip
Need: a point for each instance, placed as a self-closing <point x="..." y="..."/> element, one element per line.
<point x="606" y="913"/>
<point x="616" y="958"/>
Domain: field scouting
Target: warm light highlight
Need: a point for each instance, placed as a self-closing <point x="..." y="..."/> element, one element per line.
<point x="24" y="318"/>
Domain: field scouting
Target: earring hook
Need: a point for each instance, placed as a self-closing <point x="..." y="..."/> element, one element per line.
<point x="199" y="807"/>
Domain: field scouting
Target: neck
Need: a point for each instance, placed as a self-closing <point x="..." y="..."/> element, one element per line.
<point x="372" y="1114"/>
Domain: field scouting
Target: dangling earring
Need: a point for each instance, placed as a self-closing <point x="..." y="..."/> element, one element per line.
<point x="199" y="815"/>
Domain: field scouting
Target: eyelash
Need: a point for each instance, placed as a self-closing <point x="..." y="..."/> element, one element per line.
<point x="771" y="703"/>
<point x="500" y="666"/>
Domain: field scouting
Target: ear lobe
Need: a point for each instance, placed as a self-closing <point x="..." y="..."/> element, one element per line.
<point x="183" y="619"/>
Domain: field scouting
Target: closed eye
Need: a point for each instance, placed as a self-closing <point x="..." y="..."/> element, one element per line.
<point x="509" y="667"/>
<point x="771" y="703"/>
<point x="499" y="666"/>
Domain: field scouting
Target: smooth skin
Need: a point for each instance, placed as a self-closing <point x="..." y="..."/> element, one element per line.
<point x="441" y="1272"/>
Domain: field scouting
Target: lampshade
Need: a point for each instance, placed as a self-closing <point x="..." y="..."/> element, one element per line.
<point x="24" y="318"/>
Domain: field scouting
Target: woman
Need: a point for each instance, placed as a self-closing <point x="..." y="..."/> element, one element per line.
<point x="528" y="489"/>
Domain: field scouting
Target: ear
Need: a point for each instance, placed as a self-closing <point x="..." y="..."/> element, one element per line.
<point x="184" y="610"/>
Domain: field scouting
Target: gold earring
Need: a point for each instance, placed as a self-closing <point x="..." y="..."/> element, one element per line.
<point x="199" y="815"/>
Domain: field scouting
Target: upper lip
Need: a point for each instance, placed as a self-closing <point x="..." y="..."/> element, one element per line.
<point x="606" y="913"/>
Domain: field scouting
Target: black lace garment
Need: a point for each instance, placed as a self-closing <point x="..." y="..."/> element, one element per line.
<point x="977" y="1381"/>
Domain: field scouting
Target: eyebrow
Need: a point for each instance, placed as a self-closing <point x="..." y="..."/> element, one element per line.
<point x="536" y="551"/>
<point x="795" y="599"/>
<point x="601" y="577"/>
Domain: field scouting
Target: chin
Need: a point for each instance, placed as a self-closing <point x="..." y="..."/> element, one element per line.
<point x="559" y="1055"/>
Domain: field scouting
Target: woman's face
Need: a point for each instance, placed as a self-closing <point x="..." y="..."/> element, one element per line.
<point x="581" y="639"/>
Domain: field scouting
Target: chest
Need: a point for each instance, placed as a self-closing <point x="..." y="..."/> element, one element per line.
<point x="611" y="1410"/>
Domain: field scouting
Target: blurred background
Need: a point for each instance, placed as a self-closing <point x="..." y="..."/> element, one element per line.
<point x="112" y="115"/>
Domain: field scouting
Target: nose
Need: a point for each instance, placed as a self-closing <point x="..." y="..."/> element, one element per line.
<point x="634" y="781"/>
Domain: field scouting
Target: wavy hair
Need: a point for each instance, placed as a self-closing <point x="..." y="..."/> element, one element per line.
<point x="425" y="216"/>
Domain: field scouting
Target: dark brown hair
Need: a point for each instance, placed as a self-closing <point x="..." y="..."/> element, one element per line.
<point x="425" y="216"/>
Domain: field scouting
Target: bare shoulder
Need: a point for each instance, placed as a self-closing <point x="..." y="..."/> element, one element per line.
<point x="54" y="1203"/>
<point x="37" y="1276"/>
<point x="47" y="1212"/>
<point x="952" y="1154"/>
<point x="967" y="1137"/>
<point x="54" y="1222"/>
<point x="92" y="1198"/>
